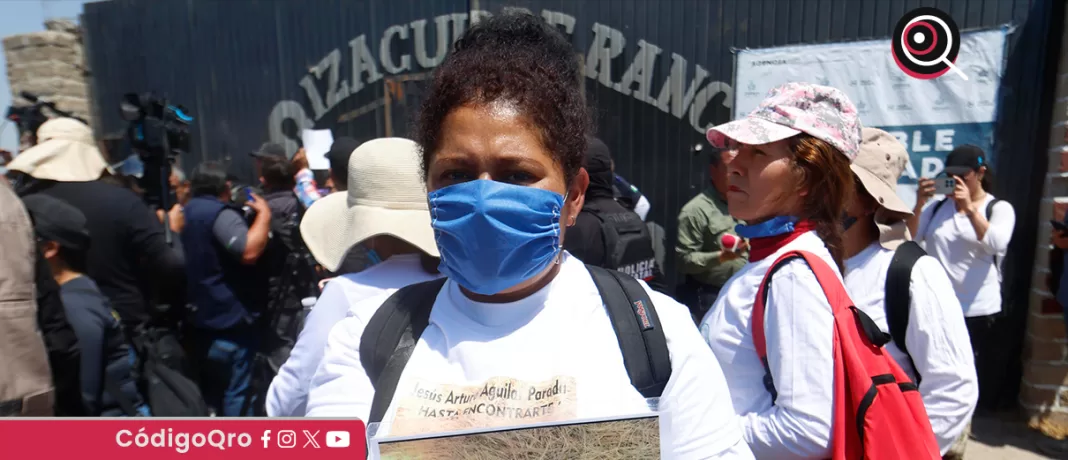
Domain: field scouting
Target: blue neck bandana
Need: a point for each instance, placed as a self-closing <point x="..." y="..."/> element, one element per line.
<point x="775" y="226"/>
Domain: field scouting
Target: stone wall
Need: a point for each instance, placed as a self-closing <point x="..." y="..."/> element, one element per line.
<point x="1044" y="390"/>
<point x="52" y="64"/>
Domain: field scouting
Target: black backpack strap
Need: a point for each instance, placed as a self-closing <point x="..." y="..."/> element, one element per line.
<point x="641" y="337"/>
<point x="390" y="337"/>
<point x="897" y="296"/>
<point x="989" y="214"/>
<point x="938" y="206"/>
<point x="934" y="212"/>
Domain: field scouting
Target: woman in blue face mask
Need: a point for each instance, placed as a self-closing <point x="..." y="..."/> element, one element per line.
<point x="519" y="333"/>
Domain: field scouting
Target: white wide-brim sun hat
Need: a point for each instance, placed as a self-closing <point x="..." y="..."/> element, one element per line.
<point x="386" y="196"/>
<point x="65" y="152"/>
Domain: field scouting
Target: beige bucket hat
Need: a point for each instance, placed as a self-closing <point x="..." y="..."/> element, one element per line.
<point x="386" y="196"/>
<point x="65" y="152"/>
<point x="881" y="161"/>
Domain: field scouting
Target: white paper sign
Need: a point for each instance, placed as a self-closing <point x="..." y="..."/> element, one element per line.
<point x="317" y="143"/>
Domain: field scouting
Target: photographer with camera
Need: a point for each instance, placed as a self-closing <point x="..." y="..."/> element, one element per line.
<point x="289" y="266"/>
<point x="225" y="286"/>
<point x="969" y="232"/>
<point x="277" y="178"/>
<point x="129" y="249"/>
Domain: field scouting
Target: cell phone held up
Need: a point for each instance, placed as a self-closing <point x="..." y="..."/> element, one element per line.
<point x="945" y="185"/>
<point x="241" y="196"/>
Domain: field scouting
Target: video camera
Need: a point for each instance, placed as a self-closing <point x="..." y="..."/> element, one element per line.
<point x="158" y="132"/>
<point x="156" y="127"/>
<point x="29" y="118"/>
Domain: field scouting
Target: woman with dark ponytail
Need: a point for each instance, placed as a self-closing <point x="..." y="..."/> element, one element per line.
<point x="969" y="231"/>
<point x="790" y="181"/>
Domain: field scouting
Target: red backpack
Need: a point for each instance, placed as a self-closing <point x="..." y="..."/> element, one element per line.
<point x="878" y="411"/>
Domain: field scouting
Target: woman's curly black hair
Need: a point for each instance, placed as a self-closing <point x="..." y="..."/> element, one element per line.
<point x="514" y="57"/>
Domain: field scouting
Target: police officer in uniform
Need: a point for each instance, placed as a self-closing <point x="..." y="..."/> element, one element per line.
<point x="605" y="233"/>
<point x="704" y="262"/>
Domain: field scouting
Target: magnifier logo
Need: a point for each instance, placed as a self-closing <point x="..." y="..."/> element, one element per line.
<point x="925" y="44"/>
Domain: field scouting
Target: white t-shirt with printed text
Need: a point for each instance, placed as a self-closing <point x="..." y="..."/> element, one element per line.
<point x="552" y="356"/>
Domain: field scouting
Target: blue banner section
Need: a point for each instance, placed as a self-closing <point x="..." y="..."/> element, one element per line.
<point x="928" y="145"/>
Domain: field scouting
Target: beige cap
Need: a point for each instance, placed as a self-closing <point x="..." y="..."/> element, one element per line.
<point x="881" y="161"/>
<point x="65" y="152"/>
<point x="386" y="196"/>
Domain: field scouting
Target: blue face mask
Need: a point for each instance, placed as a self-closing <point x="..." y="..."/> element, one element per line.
<point x="494" y="235"/>
<point x="772" y="227"/>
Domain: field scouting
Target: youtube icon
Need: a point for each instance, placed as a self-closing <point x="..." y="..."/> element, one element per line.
<point x="337" y="439"/>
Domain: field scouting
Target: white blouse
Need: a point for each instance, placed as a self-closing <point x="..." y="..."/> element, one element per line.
<point x="799" y="332"/>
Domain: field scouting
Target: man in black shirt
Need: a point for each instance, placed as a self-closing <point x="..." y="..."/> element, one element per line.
<point x="129" y="248"/>
<point x="107" y="384"/>
<point x="62" y="141"/>
<point x="277" y="179"/>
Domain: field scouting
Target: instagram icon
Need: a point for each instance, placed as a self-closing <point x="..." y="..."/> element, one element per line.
<point x="287" y="439"/>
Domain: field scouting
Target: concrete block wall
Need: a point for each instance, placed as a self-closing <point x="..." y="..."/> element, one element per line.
<point x="1044" y="390"/>
<point x="52" y="64"/>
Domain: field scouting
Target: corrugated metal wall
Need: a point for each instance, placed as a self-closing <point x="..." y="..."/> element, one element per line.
<point x="234" y="62"/>
<point x="231" y="61"/>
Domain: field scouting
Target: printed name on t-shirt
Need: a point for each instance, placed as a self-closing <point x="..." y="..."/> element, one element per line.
<point x="499" y="401"/>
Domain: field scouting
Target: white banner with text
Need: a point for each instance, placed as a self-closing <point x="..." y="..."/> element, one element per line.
<point x="929" y="117"/>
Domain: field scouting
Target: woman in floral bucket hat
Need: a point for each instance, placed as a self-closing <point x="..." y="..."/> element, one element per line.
<point x="803" y="365"/>
<point x="790" y="182"/>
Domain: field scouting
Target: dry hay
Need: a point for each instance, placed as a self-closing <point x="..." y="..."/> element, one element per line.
<point x="636" y="438"/>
